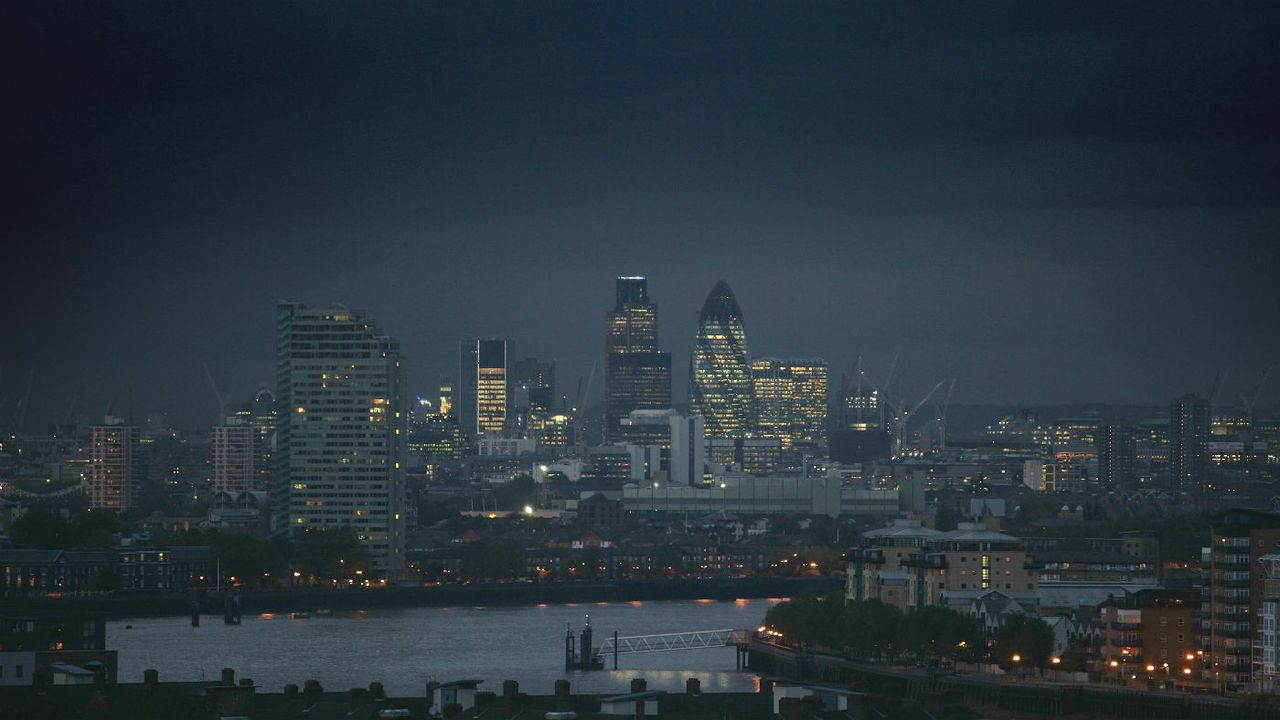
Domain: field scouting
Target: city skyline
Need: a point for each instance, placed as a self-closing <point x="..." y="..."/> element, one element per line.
<point x="1233" y="383"/>
<point x="1050" y="204"/>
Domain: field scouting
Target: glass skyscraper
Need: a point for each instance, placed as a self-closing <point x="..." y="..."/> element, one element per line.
<point x="341" y="428"/>
<point x="483" y="387"/>
<point x="720" y="387"/>
<point x="791" y="400"/>
<point x="637" y="375"/>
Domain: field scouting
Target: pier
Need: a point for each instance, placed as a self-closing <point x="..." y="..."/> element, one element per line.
<point x="580" y="655"/>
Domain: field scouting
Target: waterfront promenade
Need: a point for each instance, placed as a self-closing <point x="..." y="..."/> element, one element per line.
<point x="488" y="594"/>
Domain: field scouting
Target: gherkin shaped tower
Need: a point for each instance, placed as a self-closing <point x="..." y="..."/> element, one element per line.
<point x="720" y="387"/>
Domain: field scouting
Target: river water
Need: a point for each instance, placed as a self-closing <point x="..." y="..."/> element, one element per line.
<point x="404" y="648"/>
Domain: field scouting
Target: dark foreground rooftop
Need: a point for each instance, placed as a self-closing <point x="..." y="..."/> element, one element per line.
<point x="228" y="698"/>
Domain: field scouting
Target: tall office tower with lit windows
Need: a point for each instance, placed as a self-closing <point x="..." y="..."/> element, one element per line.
<point x="1189" y="418"/>
<point x="341" y="429"/>
<point x="484" y="391"/>
<point x="114" y="465"/>
<point x="720" y="371"/>
<point x="637" y="376"/>
<point x="791" y="400"/>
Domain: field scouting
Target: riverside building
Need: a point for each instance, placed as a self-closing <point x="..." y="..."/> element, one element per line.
<point x="342" y="429"/>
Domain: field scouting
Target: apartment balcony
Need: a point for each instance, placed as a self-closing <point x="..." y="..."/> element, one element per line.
<point x="928" y="562"/>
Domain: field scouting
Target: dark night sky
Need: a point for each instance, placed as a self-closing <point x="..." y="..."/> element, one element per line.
<point x="1053" y="205"/>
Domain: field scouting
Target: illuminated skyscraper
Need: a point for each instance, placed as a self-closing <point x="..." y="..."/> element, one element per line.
<point x="636" y="375"/>
<point x="114" y="464"/>
<point x="791" y="400"/>
<point x="720" y="371"/>
<point x="341" y="429"/>
<point x="483" y="388"/>
<point x="1189" y="418"/>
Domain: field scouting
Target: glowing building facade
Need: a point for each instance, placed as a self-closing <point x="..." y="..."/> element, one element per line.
<point x="791" y="400"/>
<point x="483" y="387"/>
<point x="637" y="374"/>
<point x="341" y="429"/>
<point x="720" y="372"/>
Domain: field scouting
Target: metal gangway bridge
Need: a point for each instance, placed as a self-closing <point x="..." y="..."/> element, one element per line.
<point x="665" y="642"/>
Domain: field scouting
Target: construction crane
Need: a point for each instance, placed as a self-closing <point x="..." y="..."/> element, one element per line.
<point x="942" y="416"/>
<point x="901" y="416"/>
<point x="222" y="402"/>
<point x="1251" y="401"/>
<point x="906" y="417"/>
<point x="1219" y="380"/>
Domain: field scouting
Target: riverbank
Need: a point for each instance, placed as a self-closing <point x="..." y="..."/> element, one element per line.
<point x="487" y="594"/>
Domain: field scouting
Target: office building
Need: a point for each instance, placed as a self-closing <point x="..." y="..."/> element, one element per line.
<point x="791" y="400"/>
<point x="637" y="376"/>
<point x="533" y="387"/>
<point x="789" y="495"/>
<point x="666" y="446"/>
<point x="752" y="455"/>
<point x="114" y="465"/>
<point x="483" y="387"/>
<point x="1189" y="420"/>
<point x="342" y="428"/>
<point x="720" y="371"/>
<point x="232" y="456"/>
<point x="445" y="406"/>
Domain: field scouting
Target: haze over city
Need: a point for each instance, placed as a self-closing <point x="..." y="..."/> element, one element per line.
<point x="1054" y="205"/>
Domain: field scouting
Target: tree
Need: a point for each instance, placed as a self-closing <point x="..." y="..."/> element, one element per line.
<point x="493" y="560"/>
<point x="940" y="631"/>
<point x="46" y="528"/>
<point x="331" y="553"/>
<point x="1025" y="636"/>
<point x="253" y="562"/>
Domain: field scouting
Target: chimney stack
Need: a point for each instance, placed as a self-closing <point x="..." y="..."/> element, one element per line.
<point x="562" y="694"/>
<point x="693" y="686"/>
<point x="151" y="677"/>
<point x="638" y="685"/>
<point x="312" y="691"/>
<point x="228" y="676"/>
